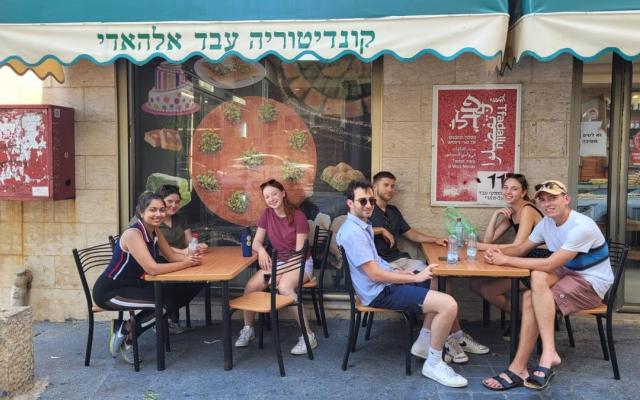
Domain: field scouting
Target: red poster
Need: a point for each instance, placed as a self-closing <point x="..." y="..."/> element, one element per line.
<point x="475" y="142"/>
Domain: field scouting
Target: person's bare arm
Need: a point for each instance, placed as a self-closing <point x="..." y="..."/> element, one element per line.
<point x="388" y="237"/>
<point x="264" y="259"/>
<point x="416" y="236"/>
<point x="498" y="225"/>
<point x="556" y="260"/>
<point x="376" y="273"/>
<point x="132" y="242"/>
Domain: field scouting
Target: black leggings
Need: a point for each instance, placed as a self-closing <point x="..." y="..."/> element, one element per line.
<point x="139" y="294"/>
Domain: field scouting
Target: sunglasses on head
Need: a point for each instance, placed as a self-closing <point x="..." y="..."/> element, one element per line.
<point x="363" y="201"/>
<point x="550" y="185"/>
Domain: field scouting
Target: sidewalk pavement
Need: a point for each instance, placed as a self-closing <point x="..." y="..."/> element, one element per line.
<point x="376" y="369"/>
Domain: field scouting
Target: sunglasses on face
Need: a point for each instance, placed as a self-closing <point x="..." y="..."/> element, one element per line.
<point x="550" y="185"/>
<point x="363" y="201"/>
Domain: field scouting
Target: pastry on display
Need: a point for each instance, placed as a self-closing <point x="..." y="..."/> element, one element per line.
<point x="339" y="176"/>
<point x="249" y="152"/>
<point x="230" y="73"/>
<point x="167" y="139"/>
<point x="341" y="88"/>
<point x="172" y="93"/>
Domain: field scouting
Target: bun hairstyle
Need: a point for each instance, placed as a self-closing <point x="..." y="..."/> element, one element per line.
<point x="289" y="209"/>
<point x="523" y="182"/>
<point x="144" y="200"/>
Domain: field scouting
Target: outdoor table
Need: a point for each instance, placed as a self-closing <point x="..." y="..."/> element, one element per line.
<point x="478" y="268"/>
<point x="220" y="264"/>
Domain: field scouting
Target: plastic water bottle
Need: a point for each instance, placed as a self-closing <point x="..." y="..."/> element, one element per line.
<point x="452" y="250"/>
<point x="193" y="244"/>
<point x="472" y="246"/>
<point x="459" y="233"/>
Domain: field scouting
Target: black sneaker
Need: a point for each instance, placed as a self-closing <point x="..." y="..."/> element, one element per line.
<point x="506" y="335"/>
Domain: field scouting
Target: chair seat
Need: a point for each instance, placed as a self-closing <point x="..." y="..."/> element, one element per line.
<point x="311" y="283"/>
<point x="362" y="308"/>
<point x="260" y="302"/>
<point x="601" y="309"/>
<point x="97" y="309"/>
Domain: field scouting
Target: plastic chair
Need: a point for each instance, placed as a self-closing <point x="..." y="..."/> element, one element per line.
<point x="87" y="259"/>
<point x="319" y="253"/>
<point x="617" y="255"/>
<point x="271" y="302"/>
<point x="357" y="308"/>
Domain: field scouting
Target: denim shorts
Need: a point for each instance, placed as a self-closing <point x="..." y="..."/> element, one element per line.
<point x="404" y="297"/>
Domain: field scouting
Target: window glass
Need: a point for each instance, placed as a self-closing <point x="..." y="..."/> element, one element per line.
<point x="217" y="131"/>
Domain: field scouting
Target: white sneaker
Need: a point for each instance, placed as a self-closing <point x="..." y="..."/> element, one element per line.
<point x="469" y="345"/>
<point x="453" y="349"/>
<point x="444" y="375"/>
<point x="419" y="349"/>
<point x="246" y="335"/>
<point x="126" y="353"/>
<point x="301" y="348"/>
<point x="117" y="334"/>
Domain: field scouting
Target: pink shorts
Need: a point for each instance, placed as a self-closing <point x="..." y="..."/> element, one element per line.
<point x="573" y="293"/>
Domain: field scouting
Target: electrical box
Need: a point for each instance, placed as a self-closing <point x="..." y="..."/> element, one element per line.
<point x="37" y="152"/>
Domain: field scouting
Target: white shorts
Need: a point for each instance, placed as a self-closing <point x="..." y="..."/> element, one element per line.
<point x="308" y="267"/>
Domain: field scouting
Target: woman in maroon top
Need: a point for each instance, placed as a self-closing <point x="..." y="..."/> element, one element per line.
<point x="287" y="229"/>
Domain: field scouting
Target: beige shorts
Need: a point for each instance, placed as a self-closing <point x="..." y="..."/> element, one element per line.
<point x="408" y="264"/>
<point x="573" y="293"/>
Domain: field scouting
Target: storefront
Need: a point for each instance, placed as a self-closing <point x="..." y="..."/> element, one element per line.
<point x="604" y="172"/>
<point x="313" y="95"/>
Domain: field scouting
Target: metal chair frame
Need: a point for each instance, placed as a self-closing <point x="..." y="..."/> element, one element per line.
<point x="294" y="261"/>
<point x="319" y="253"/>
<point x="617" y="254"/>
<point x="356" y="318"/>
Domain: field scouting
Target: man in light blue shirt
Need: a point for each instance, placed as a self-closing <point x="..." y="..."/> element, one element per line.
<point x="378" y="286"/>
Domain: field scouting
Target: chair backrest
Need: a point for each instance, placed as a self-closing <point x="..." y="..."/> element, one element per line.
<point x="89" y="258"/>
<point x="320" y="248"/>
<point x="347" y="278"/>
<point x="113" y="240"/>
<point x="618" y="256"/>
<point x="290" y="262"/>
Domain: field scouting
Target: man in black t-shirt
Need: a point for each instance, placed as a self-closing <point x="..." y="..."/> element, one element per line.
<point x="388" y="225"/>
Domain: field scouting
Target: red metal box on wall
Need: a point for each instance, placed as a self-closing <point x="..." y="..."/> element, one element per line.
<point x="37" y="157"/>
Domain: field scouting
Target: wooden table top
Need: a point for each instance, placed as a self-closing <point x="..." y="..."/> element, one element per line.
<point x="218" y="264"/>
<point x="465" y="267"/>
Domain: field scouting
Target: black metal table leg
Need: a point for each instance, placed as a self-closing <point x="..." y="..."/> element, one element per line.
<point x="159" y="325"/>
<point x="515" y="316"/>
<point x="207" y="305"/>
<point x="226" y="327"/>
<point x="442" y="284"/>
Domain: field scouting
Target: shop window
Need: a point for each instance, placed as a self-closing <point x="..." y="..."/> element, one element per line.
<point x="217" y="131"/>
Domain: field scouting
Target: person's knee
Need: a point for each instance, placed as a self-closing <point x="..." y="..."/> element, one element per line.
<point x="526" y="299"/>
<point x="539" y="280"/>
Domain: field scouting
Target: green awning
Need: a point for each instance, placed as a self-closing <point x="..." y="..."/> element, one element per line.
<point x="103" y="32"/>
<point x="586" y="29"/>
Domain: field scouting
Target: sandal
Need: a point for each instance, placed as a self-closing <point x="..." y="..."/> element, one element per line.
<point x="516" y="381"/>
<point x="536" y="382"/>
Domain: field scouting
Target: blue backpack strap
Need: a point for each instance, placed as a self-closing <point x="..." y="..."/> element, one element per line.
<point x="587" y="260"/>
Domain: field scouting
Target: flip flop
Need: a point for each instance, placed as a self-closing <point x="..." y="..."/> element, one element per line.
<point x="516" y="381"/>
<point x="535" y="382"/>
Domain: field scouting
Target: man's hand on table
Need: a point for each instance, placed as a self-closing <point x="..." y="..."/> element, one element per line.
<point x="495" y="257"/>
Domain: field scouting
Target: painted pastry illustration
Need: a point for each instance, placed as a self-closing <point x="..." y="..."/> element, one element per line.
<point x="238" y="146"/>
<point x="172" y="93"/>
<point x="167" y="139"/>
<point x="231" y="73"/>
<point x="338" y="176"/>
<point x="341" y="88"/>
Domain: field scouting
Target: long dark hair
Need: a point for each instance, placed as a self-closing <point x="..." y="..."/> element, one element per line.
<point x="289" y="209"/>
<point x="523" y="182"/>
<point x="144" y="200"/>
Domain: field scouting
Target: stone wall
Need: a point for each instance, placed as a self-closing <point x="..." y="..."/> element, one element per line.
<point x="40" y="235"/>
<point x="406" y="132"/>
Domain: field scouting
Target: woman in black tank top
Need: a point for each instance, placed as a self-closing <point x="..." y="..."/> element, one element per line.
<point x="521" y="215"/>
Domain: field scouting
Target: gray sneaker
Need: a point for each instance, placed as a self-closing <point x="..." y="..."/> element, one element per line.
<point x="117" y="335"/>
<point x="246" y="335"/>
<point x="126" y="353"/>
